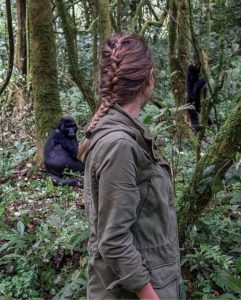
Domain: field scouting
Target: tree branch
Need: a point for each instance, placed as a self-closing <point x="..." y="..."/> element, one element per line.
<point x="158" y="23"/>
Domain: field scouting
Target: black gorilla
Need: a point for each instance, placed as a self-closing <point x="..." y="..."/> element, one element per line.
<point x="194" y="88"/>
<point x="60" y="153"/>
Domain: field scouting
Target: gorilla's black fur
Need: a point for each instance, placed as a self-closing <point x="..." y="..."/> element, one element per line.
<point x="194" y="87"/>
<point x="60" y="153"/>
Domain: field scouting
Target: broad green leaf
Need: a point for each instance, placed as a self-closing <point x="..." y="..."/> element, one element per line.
<point x="20" y="227"/>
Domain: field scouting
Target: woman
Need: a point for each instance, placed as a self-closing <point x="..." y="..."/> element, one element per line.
<point x="133" y="245"/>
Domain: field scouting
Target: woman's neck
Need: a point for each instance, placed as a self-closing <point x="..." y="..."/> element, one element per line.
<point x="134" y="106"/>
<point x="132" y="109"/>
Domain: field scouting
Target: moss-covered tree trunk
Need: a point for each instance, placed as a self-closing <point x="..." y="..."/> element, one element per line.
<point x="75" y="71"/>
<point x="178" y="56"/>
<point x="47" y="110"/>
<point x="104" y="19"/>
<point x="135" y="22"/>
<point x="21" y="46"/>
<point x="183" y="48"/>
<point x="178" y="48"/>
<point x="210" y="171"/>
<point x="172" y="44"/>
<point x="28" y="54"/>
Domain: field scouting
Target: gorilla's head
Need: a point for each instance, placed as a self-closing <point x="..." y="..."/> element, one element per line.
<point x="68" y="127"/>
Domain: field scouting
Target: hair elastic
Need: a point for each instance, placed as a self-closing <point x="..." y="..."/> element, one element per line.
<point x="88" y="134"/>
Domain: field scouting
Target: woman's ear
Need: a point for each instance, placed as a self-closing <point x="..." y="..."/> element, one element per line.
<point x="150" y="79"/>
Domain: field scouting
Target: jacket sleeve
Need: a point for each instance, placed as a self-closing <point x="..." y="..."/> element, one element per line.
<point x="117" y="204"/>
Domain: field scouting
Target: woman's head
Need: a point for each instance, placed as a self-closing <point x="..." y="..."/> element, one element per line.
<point x="126" y="65"/>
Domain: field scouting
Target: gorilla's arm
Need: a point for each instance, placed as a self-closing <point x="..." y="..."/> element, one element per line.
<point x="70" y="145"/>
<point x="192" y="78"/>
<point x="195" y="85"/>
<point x="193" y="116"/>
<point x="196" y="92"/>
<point x="52" y="141"/>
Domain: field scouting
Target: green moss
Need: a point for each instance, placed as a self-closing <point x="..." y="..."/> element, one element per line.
<point x="105" y="23"/>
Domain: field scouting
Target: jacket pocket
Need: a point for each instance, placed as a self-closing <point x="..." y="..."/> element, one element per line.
<point x="162" y="275"/>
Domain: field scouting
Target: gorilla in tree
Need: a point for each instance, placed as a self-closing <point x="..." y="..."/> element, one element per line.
<point x="194" y="88"/>
<point x="60" y="153"/>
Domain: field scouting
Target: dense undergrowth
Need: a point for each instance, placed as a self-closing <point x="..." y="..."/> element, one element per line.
<point x="43" y="230"/>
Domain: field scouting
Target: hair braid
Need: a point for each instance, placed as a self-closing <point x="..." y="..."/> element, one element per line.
<point x="125" y="63"/>
<point x="107" y="85"/>
<point x="107" y="95"/>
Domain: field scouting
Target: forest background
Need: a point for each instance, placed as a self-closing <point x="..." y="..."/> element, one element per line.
<point x="49" y="68"/>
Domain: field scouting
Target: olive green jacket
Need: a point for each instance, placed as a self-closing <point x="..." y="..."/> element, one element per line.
<point x="130" y="209"/>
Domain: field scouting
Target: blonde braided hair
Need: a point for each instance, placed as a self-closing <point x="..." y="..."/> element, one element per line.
<point x="125" y="64"/>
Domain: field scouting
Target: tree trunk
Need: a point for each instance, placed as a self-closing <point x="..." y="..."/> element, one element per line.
<point x="210" y="171"/>
<point x="104" y="19"/>
<point x="172" y="45"/>
<point x="137" y="16"/>
<point x="179" y="48"/>
<point x="95" y="50"/>
<point x="28" y="54"/>
<point x="21" y="47"/>
<point x="11" y="46"/>
<point x="178" y="57"/>
<point x="47" y="110"/>
<point x="183" y="51"/>
<point x="207" y="18"/>
<point x="119" y="14"/>
<point x="75" y="71"/>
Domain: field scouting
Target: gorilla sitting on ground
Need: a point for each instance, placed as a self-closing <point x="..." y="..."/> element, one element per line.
<point x="60" y="153"/>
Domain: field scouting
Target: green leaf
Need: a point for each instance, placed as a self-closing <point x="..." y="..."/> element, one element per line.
<point x="19" y="146"/>
<point x="238" y="265"/>
<point x="225" y="297"/>
<point x="5" y="246"/>
<point x="220" y="278"/>
<point x="2" y="208"/>
<point x="234" y="284"/>
<point x="54" y="220"/>
<point x="20" y="227"/>
<point x="147" y="119"/>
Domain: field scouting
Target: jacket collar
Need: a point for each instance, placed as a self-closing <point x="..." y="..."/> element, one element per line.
<point x="142" y="133"/>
